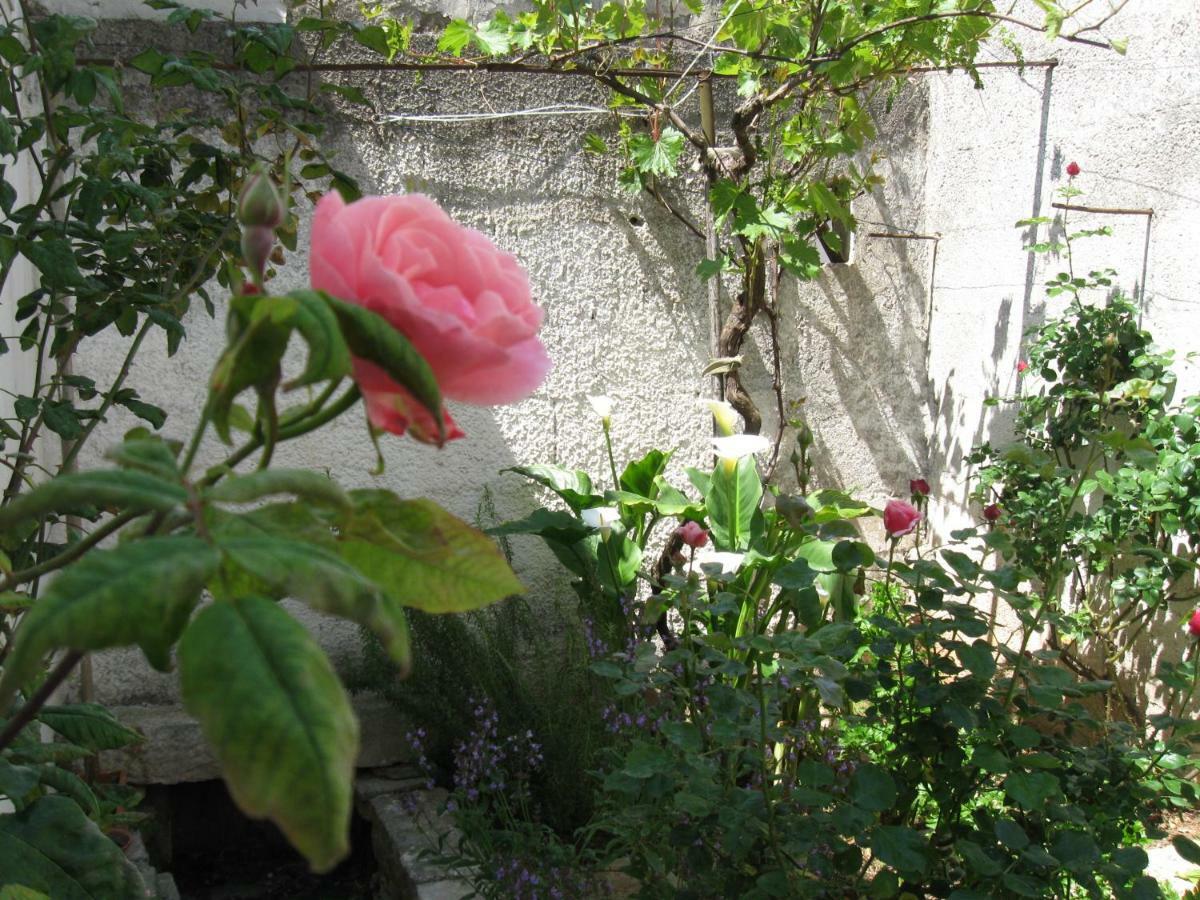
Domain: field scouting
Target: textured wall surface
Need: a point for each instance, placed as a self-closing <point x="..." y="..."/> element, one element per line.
<point x="1000" y="154"/>
<point x="893" y="354"/>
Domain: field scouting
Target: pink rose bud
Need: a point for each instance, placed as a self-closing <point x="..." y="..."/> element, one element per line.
<point x="900" y="518"/>
<point x="919" y="487"/>
<point x="260" y="203"/>
<point x="692" y="534"/>
<point x="1022" y="367"/>
<point x="462" y="302"/>
<point x="1194" y="624"/>
<point x="991" y="512"/>
<point x="1073" y="169"/>
<point x="257" y="243"/>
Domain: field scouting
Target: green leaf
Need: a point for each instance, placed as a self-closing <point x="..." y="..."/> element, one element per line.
<point x="58" y="850"/>
<point x="310" y="314"/>
<point x="88" y="725"/>
<point x="146" y="411"/>
<point x="301" y="482"/>
<point x="16" y="782"/>
<point x="251" y="361"/>
<point x="456" y="37"/>
<point x="978" y="658"/>
<point x="657" y="157"/>
<point x="20" y="892"/>
<point x="372" y="337"/>
<point x="1076" y="850"/>
<point x="423" y="556"/>
<point x="149" y="61"/>
<point x="574" y="487"/>
<point x="848" y="556"/>
<point x="551" y="524"/>
<point x="872" y="788"/>
<point x="977" y="859"/>
<point x="796" y="575"/>
<point x="308" y="572"/>
<point x="279" y="721"/>
<point x="1011" y="835"/>
<point x="494" y="37"/>
<point x="123" y="489"/>
<point x="140" y="593"/>
<point x="55" y="259"/>
<point x="150" y="455"/>
<point x="732" y="500"/>
<point x="639" y="476"/>
<point x="1187" y="848"/>
<point x="902" y="848"/>
<point x="1032" y="790"/>
<point x="373" y="38"/>
<point x="61" y="418"/>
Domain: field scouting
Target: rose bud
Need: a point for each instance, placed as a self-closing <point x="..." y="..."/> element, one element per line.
<point x="900" y="518"/>
<point x="260" y="203"/>
<point x="692" y="534"/>
<point x="991" y="512"/>
<point x="1073" y="169"/>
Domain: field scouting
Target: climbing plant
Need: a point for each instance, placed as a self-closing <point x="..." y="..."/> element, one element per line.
<point x="784" y="142"/>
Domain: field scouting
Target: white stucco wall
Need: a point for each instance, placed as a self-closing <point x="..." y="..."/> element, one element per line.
<point x="892" y="354"/>
<point x="998" y="155"/>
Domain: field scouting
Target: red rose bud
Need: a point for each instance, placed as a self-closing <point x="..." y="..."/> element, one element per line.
<point x="260" y="203"/>
<point x="249" y="289"/>
<point x="1022" y="367"/>
<point x="692" y="534"/>
<point x="991" y="512"/>
<point x="1073" y="169"/>
<point x="900" y="518"/>
<point x="1194" y="624"/>
<point x="919" y="487"/>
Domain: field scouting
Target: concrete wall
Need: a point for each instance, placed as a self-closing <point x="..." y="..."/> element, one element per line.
<point x="998" y="155"/>
<point x="893" y="354"/>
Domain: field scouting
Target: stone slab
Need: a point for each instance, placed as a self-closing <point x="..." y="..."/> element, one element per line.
<point x="176" y="751"/>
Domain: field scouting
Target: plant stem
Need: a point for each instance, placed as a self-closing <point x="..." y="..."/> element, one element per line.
<point x="25" y="714"/>
<point x="612" y="462"/>
<point x="105" y="406"/>
<point x="72" y="553"/>
<point x="294" y="429"/>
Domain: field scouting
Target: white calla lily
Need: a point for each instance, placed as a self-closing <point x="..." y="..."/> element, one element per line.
<point x="723" y="414"/>
<point x="735" y="446"/>
<point x="602" y="405"/>
<point x="602" y="518"/>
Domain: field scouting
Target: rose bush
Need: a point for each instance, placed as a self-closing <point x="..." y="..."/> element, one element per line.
<point x="462" y="302"/>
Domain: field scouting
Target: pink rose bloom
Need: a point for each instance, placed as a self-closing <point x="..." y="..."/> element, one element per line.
<point x="1194" y="624"/>
<point x="900" y="518"/>
<point x="692" y="534"/>
<point x="1022" y="367"/>
<point x="462" y="302"/>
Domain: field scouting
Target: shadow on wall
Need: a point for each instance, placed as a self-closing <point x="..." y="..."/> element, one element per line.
<point x="860" y="338"/>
